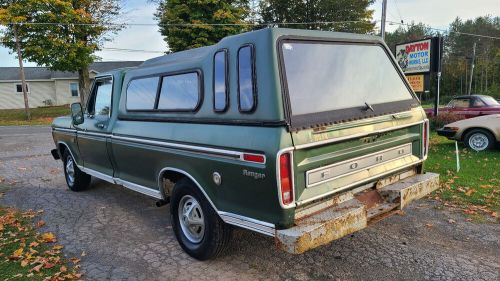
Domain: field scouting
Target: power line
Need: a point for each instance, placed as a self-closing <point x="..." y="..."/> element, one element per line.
<point x="449" y="31"/>
<point x="186" y="24"/>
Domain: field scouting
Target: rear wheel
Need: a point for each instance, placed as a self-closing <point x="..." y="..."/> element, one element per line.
<point x="75" y="178"/>
<point x="197" y="227"/>
<point x="479" y="140"/>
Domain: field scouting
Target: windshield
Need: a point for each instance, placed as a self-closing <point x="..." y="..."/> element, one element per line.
<point x="490" y="101"/>
<point x="323" y="77"/>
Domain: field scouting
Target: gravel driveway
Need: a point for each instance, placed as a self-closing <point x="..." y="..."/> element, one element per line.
<point x="125" y="237"/>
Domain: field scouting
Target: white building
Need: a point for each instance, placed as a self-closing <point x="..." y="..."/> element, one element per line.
<point x="47" y="87"/>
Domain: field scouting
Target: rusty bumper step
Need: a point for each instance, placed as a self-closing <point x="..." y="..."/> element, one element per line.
<point x="353" y="215"/>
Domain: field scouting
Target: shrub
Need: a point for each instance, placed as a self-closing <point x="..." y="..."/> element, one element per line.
<point x="442" y="119"/>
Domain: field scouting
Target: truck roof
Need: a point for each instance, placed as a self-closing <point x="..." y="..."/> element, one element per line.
<point x="275" y="33"/>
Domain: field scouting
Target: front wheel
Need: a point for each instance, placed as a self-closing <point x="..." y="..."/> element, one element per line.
<point x="479" y="140"/>
<point x="75" y="178"/>
<point x="197" y="227"/>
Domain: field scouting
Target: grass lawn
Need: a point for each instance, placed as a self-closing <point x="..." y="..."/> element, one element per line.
<point x="476" y="188"/>
<point x="27" y="255"/>
<point x="39" y="116"/>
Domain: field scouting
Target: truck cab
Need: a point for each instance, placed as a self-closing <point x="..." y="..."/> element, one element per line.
<point x="304" y="136"/>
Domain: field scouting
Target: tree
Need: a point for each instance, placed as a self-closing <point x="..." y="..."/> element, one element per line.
<point x="351" y="15"/>
<point x="458" y="53"/>
<point x="405" y="33"/>
<point x="60" y="34"/>
<point x="182" y="23"/>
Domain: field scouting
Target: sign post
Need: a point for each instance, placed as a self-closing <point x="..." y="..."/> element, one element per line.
<point x="418" y="59"/>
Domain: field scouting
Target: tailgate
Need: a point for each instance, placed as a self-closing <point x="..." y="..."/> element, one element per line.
<point x="328" y="160"/>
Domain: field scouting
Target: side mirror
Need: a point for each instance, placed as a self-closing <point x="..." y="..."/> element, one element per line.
<point x="77" y="113"/>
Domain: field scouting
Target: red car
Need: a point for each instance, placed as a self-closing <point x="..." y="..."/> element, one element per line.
<point x="469" y="106"/>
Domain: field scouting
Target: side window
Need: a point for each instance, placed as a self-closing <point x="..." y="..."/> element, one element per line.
<point x="460" y="103"/>
<point x="141" y="93"/>
<point x="477" y="102"/>
<point x="246" y="79"/>
<point x="180" y="92"/>
<point x="73" y="88"/>
<point x="101" y="101"/>
<point x="220" y="81"/>
<point x="19" y="88"/>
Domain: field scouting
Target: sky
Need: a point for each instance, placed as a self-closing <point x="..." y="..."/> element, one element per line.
<point x="435" y="13"/>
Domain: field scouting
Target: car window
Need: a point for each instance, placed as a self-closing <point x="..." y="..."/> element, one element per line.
<point x="180" y="92"/>
<point x="220" y="81"/>
<point x="489" y="100"/>
<point x="459" y="103"/>
<point x="141" y="93"/>
<point x="478" y="103"/>
<point x="246" y="83"/>
<point x="101" y="101"/>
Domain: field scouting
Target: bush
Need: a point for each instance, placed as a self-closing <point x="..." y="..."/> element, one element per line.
<point x="442" y="119"/>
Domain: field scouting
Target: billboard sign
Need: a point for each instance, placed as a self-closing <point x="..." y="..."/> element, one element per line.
<point x="416" y="82"/>
<point x="414" y="57"/>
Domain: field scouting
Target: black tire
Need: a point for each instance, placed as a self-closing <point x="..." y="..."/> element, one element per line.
<point x="484" y="139"/>
<point x="216" y="234"/>
<point x="79" y="180"/>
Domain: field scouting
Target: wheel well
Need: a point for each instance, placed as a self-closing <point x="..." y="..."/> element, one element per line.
<point x="61" y="148"/>
<point x="476" y="128"/>
<point x="168" y="178"/>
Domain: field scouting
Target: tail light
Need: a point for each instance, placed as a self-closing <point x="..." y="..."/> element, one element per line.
<point x="286" y="186"/>
<point x="425" y="138"/>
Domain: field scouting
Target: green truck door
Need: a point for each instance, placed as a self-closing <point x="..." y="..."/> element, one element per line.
<point x="94" y="133"/>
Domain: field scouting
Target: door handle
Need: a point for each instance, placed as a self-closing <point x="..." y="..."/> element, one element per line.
<point x="100" y="126"/>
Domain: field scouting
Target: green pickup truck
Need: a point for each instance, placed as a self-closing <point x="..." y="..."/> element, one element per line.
<point x="305" y="136"/>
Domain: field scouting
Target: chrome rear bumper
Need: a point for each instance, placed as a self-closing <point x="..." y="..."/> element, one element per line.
<point x="354" y="213"/>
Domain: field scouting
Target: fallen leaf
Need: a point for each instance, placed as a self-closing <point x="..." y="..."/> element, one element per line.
<point x="49" y="237"/>
<point x="469" y="192"/>
<point x="428" y="225"/>
<point x="451" y="221"/>
<point x="24" y="263"/>
<point x="34" y="244"/>
<point x="75" y="260"/>
<point x="63" y="269"/>
<point x="48" y="265"/>
<point x="83" y="254"/>
<point x="494" y="214"/>
<point x="58" y="247"/>
<point x="37" y="268"/>
<point x="18" y="252"/>
<point x="40" y="223"/>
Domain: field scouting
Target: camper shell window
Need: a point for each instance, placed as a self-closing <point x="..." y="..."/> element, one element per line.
<point x="328" y="82"/>
<point x="247" y="92"/>
<point x="141" y="93"/>
<point x="220" y="81"/>
<point x="180" y="92"/>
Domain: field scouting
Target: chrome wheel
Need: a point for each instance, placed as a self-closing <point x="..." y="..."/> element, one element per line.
<point x="70" y="170"/>
<point x="191" y="219"/>
<point x="479" y="142"/>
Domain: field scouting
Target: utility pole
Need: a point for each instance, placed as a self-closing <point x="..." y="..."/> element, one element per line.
<point x="21" y="71"/>
<point x="472" y="68"/>
<point x="382" y="21"/>
<point x="440" y="47"/>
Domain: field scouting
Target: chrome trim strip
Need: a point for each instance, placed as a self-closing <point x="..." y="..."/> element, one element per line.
<point x="425" y="149"/>
<point x="139" y="188"/>
<point x="94" y="134"/>
<point x="248" y="223"/>
<point x="356" y="183"/>
<point x="308" y="173"/>
<point x="67" y="147"/>
<point x="97" y="174"/>
<point x="278" y="179"/>
<point x="64" y="130"/>
<point x="231" y="154"/>
<point x="323" y="142"/>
